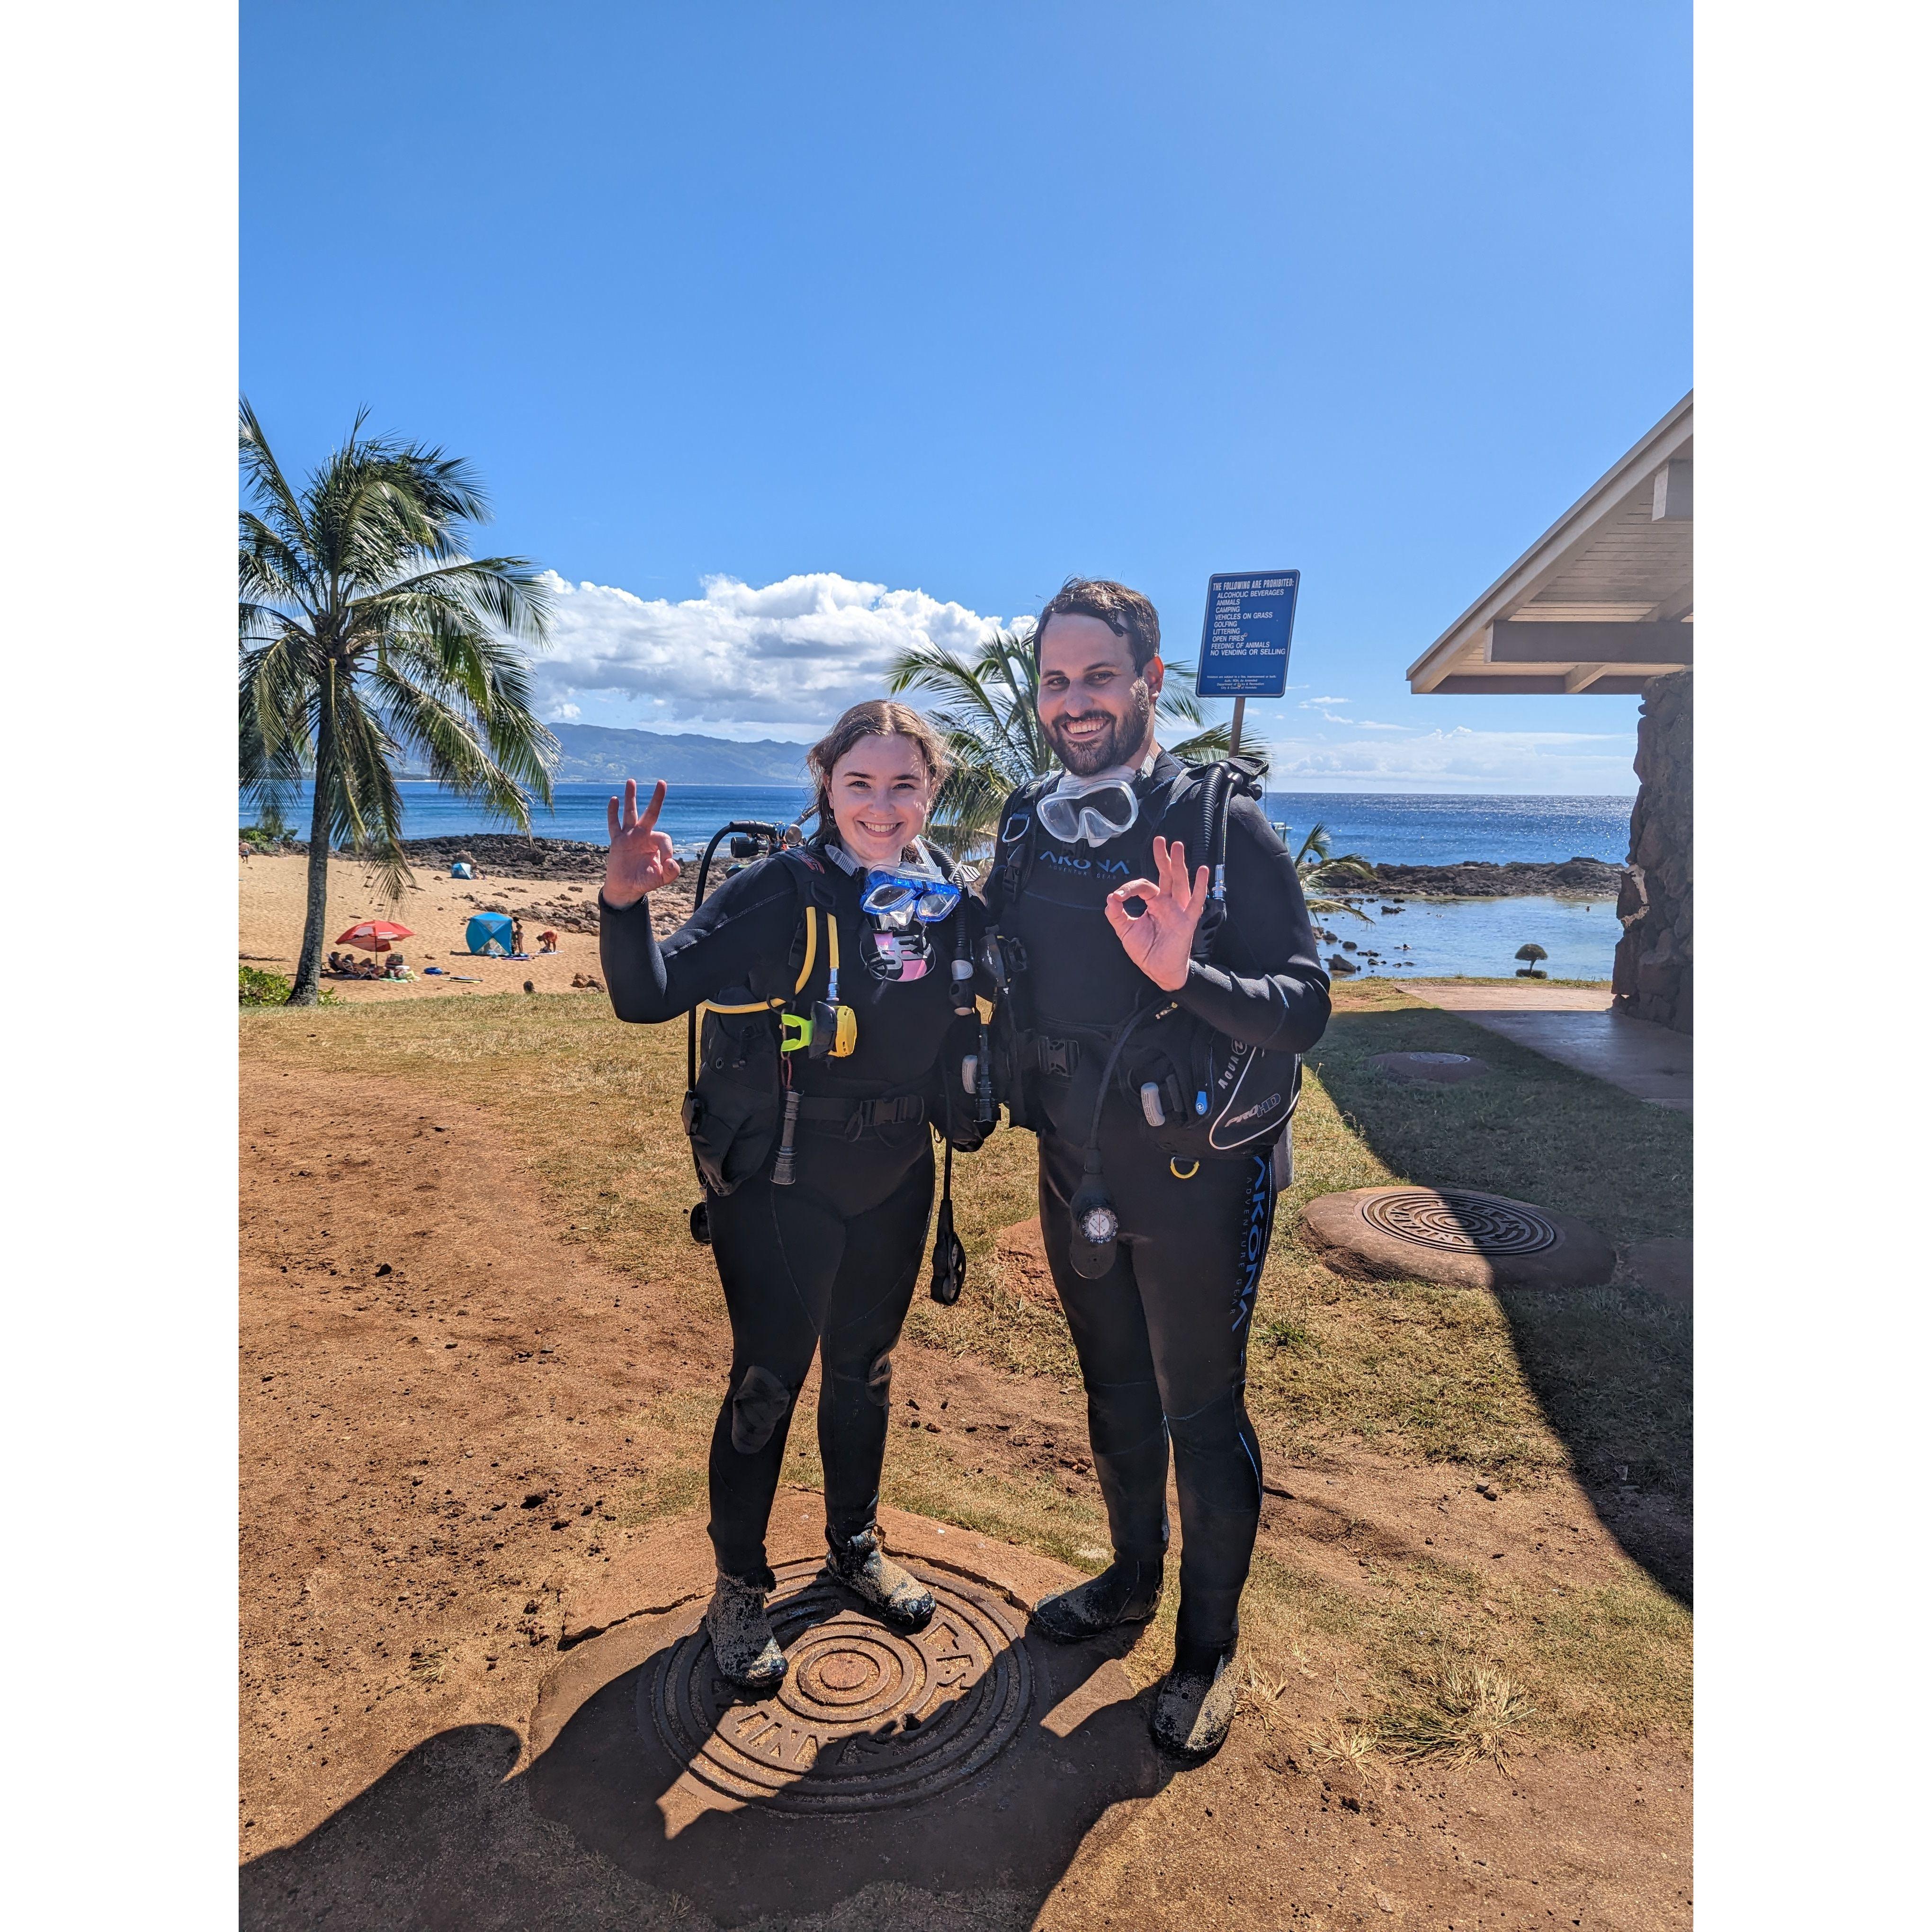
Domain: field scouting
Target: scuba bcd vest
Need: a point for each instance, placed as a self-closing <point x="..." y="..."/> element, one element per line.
<point x="739" y="1099"/>
<point x="1199" y="1094"/>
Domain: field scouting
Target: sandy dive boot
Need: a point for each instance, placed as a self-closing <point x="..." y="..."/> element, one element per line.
<point x="741" y="1635"/>
<point x="1195" y="1705"/>
<point x="865" y="1569"/>
<point x="1127" y="1591"/>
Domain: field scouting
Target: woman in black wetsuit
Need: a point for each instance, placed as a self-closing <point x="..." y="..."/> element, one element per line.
<point x="830" y="1259"/>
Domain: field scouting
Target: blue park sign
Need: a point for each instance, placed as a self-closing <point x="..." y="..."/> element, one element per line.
<point x="1244" y="637"/>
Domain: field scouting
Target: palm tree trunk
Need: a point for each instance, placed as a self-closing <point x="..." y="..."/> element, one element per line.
<point x="308" y="968"/>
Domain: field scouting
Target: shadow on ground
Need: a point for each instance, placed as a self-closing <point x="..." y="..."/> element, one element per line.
<point x="605" y="1827"/>
<point x="1610" y="1366"/>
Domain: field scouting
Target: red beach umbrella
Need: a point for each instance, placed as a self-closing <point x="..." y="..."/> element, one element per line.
<point x="374" y="935"/>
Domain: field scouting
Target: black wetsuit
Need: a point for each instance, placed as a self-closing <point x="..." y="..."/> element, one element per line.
<point x="833" y="1258"/>
<point x="1162" y="1336"/>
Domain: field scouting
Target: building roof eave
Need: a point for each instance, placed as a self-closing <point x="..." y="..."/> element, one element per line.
<point x="1440" y="666"/>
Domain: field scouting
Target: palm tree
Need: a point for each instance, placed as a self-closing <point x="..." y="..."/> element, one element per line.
<point x="366" y="635"/>
<point x="989" y="715"/>
<point x="1323" y="873"/>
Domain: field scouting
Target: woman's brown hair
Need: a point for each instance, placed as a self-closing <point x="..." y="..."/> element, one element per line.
<point x="877" y="717"/>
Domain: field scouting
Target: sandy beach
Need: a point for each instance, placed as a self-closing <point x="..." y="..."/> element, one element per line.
<point x="436" y="908"/>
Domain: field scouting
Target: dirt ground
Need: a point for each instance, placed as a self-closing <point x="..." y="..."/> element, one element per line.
<point x="460" y="1435"/>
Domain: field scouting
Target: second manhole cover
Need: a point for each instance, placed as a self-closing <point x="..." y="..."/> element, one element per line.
<point x="1482" y="1224"/>
<point x="1438" y="1070"/>
<point x="1455" y="1234"/>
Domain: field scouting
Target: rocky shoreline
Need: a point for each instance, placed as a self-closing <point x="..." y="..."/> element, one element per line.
<point x="1578" y="878"/>
<point x="511" y="854"/>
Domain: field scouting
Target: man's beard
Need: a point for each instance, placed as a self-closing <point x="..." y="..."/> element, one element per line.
<point x="1121" y="742"/>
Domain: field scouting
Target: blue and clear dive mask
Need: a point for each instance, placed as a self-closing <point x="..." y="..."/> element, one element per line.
<point x="900" y="902"/>
<point x="1093" y="810"/>
<point x="908" y="893"/>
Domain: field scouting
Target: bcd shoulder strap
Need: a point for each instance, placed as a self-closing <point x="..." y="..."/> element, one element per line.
<point x="1017" y="838"/>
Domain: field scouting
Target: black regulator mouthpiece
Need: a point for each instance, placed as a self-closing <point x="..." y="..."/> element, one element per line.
<point x="1096" y="1227"/>
<point x="949" y="1260"/>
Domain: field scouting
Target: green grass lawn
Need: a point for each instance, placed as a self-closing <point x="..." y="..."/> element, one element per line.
<point x="1517" y="1388"/>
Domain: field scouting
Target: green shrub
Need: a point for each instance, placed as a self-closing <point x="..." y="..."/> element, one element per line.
<point x="264" y="989"/>
<point x="271" y="989"/>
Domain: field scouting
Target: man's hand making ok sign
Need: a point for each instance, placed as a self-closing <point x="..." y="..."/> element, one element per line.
<point x="1157" y="940"/>
<point x="640" y="859"/>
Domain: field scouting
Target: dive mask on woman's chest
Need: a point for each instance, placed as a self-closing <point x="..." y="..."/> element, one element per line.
<point x="900" y="903"/>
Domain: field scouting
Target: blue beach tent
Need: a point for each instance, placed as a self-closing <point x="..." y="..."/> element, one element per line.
<point x="489" y="932"/>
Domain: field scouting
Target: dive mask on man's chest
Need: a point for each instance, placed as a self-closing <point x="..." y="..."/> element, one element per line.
<point x="1090" y="811"/>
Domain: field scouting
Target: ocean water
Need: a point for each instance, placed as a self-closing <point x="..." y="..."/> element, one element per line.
<point x="1478" y="937"/>
<point x="1389" y="829"/>
<point x="1437" y="938"/>
<point x="1396" y="829"/>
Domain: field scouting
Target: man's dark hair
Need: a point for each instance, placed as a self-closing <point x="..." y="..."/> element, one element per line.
<point x="1126" y="613"/>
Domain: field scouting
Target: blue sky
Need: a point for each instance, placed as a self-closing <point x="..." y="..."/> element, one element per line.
<point x="782" y="334"/>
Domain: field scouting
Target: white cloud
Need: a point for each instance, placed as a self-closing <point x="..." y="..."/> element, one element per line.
<point x="1314" y="703"/>
<point x="783" y="659"/>
<point x="1573" y="763"/>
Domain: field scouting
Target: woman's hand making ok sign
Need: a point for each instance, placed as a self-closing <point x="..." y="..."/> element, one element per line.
<point x="641" y="859"/>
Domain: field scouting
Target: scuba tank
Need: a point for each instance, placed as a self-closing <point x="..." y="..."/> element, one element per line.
<point x="724" y="1117"/>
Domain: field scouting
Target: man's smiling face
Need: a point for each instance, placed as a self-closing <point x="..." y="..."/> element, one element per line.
<point x="1097" y="710"/>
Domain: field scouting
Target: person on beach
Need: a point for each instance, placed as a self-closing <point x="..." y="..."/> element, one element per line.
<point x="819" y="1245"/>
<point x="1155" y="1028"/>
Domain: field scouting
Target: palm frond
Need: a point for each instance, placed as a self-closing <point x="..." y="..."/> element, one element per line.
<point x="368" y="629"/>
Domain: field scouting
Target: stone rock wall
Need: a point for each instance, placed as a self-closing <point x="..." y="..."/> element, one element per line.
<point x="1651" y="977"/>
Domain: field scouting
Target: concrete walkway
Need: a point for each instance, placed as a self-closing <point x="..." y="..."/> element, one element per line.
<point x="1574" y="1025"/>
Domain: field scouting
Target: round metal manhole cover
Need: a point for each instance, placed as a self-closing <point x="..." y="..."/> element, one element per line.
<point x="1441" y="1069"/>
<point x="866" y="1716"/>
<point x="1477" y="1224"/>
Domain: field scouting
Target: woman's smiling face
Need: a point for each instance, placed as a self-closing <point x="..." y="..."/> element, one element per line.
<point x="881" y="792"/>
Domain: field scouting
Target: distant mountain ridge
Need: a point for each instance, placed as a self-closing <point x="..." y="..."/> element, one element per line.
<point x="599" y="754"/>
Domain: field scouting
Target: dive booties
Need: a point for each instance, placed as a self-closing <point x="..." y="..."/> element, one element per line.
<point x="748" y="1653"/>
<point x="1127" y="1591"/>
<point x="1096" y="1226"/>
<point x="1195" y="1704"/>
<point x="865" y="1569"/>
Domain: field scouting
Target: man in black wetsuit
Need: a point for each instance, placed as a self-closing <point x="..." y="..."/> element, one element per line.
<point x="1108" y="921"/>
